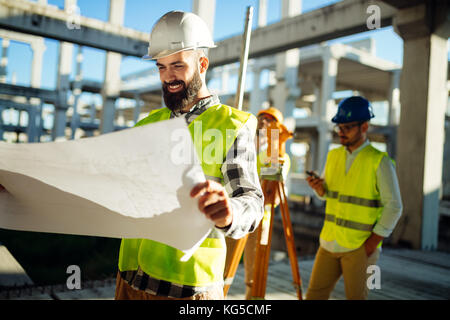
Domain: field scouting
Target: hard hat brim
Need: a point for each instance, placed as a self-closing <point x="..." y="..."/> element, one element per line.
<point x="278" y="117"/>
<point x="166" y="53"/>
<point x="337" y="119"/>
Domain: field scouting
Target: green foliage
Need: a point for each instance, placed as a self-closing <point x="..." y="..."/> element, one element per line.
<point x="46" y="256"/>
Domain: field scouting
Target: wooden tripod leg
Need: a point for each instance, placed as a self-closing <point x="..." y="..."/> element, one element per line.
<point x="234" y="263"/>
<point x="262" y="256"/>
<point x="290" y="243"/>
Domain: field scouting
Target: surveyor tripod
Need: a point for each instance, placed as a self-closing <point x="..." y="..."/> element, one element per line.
<point x="272" y="185"/>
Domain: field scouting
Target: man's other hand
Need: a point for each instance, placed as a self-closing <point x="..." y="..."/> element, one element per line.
<point x="371" y="244"/>
<point x="214" y="202"/>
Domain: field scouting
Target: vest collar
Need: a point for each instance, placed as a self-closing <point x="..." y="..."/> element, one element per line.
<point x="355" y="152"/>
<point x="199" y="107"/>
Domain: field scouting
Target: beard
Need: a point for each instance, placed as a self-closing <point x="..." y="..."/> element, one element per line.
<point x="347" y="142"/>
<point x="177" y="101"/>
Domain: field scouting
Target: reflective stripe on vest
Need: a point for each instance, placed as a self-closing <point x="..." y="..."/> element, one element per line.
<point x="353" y="202"/>
<point x="207" y="263"/>
<point x="348" y="223"/>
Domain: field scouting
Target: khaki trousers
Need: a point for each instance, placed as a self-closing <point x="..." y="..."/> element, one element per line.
<point x="328" y="268"/>
<point x="125" y="292"/>
<point x="249" y="259"/>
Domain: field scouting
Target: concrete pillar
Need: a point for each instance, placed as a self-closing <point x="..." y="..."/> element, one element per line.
<point x="286" y="89"/>
<point x="137" y="108"/>
<point x="262" y="13"/>
<point x="393" y="112"/>
<point x="330" y="60"/>
<point x="287" y="66"/>
<point x="63" y="87"/>
<point x="323" y="143"/>
<point x="63" y="83"/>
<point x="224" y="78"/>
<point x="256" y="95"/>
<point x="75" y="121"/>
<point x="111" y="86"/>
<point x="4" y="60"/>
<point x="394" y="99"/>
<point x="38" y="47"/>
<point x="1" y="123"/>
<point x="446" y="170"/>
<point x="92" y="112"/>
<point x="205" y="9"/>
<point x="39" y="121"/>
<point x="423" y="98"/>
<point x="32" y="127"/>
<point x="34" y="115"/>
<point x="315" y="108"/>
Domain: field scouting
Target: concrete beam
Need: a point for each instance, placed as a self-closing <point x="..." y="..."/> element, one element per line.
<point x="17" y="36"/>
<point x="46" y="96"/>
<point x="15" y="105"/>
<point x="402" y="4"/>
<point x="340" y="19"/>
<point x="51" y="22"/>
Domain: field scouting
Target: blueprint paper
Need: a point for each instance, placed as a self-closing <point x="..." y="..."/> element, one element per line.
<point x="129" y="184"/>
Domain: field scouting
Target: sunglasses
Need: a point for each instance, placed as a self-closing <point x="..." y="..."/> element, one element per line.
<point x="346" y="127"/>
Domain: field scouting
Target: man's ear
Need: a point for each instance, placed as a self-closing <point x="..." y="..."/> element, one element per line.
<point x="365" y="127"/>
<point x="203" y="64"/>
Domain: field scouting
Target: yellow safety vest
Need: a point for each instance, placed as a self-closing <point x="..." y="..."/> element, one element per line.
<point x="207" y="263"/>
<point x="353" y="202"/>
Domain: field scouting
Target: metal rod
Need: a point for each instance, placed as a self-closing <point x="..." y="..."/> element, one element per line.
<point x="244" y="58"/>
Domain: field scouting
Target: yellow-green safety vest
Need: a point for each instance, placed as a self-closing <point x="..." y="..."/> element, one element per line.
<point x="353" y="203"/>
<point x="206" y="265"/>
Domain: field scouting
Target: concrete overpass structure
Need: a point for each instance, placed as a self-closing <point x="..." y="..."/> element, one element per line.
<point x="416" y="134"/>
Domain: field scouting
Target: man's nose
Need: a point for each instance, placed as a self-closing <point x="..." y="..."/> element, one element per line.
<point x="169" y="76"/>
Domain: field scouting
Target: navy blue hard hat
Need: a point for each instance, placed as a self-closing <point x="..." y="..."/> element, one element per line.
<point x="353" y="109"/>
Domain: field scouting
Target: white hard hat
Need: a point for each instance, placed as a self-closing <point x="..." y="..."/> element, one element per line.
<point x="178" y="31"/>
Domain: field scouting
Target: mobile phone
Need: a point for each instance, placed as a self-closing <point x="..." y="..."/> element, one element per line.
<point x="312" y="174"/>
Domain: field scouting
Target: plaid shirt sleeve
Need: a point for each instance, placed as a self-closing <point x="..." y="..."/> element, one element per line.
<point x="242" y="185"/>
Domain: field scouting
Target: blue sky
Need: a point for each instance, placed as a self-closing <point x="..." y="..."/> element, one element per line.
<point x="142" y="14"/>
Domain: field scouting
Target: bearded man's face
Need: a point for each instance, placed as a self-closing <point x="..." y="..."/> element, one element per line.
<point x="181" y="80"/>
<point x="185" y="96"/>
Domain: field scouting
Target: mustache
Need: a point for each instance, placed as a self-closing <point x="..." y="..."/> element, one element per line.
<point x="174" y="83"/>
